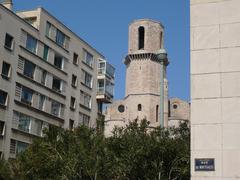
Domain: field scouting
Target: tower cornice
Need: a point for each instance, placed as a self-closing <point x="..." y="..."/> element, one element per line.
<point x="143" y="56"/>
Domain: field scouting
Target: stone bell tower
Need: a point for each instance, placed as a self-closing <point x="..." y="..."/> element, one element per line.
<point x="144" y="70"/>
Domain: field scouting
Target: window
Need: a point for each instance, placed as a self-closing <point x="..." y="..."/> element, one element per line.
<point x="88" y="59"/>
<point x="87" y="79"/>
<point x="48" y="29"/>
<point x="42" y="99"/>
<point x="141" y="34"/>
<point x="161" y="36"/>
<point x="45" y="52"/>
<point x="17" y="147"/>
<point x="58" y="61"/>
<point x="101" y="68"/>
<point x="8" y="42"/>
<point x="60" y="38"/>
<point x="57" y="84"/>
<point x="26" y="95"/>
<point x="24" y="122"/>
<point x="6" y="70"/>
<point x="157" y="107"/>
<point x="2" y="128"/>
<point x="85" y="99"/>
<point x="31" y="44"/>
<point x="71" y="124"/>
<point x="121" y="108"/>
<point x="84" y="119"/>
<point x="101" y="86"/>
<point x="175" y="106"/>
<point x="73" y="103"/>
<point x="29" y="69"/>
<point x="75" y="58"/>
<point x="74" y="80"/>
<point x="139" y="107"/>
<point x="44" y="77"/>
<point x="56" y="108"/>
<point x="3" y="98"/>
<point x="21" y="146"/>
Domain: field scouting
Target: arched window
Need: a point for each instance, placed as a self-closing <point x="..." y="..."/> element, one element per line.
<point x="141" y="34"/>
<point x="157" y="107"/>
<point x="161" y="37"/>
<point x="139" y="107"/>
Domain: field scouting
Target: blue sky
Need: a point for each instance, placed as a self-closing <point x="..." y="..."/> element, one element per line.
<point x="104" y="25"/>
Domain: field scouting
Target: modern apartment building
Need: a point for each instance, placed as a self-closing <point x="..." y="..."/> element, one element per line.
<point x="49" y="76"/>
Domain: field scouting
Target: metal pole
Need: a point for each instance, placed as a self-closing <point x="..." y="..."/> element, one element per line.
<point x="161" y="113"/>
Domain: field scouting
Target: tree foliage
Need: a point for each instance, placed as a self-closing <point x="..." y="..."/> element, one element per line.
<point x="136" y="151"/>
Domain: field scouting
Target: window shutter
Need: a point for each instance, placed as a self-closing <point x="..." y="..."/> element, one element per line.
<point x="18" y="92"/>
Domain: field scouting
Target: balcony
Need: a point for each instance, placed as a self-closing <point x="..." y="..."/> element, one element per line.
<point x="105" y="86"/>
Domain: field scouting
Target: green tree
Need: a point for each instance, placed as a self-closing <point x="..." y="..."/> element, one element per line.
<point x="136" y="151"/>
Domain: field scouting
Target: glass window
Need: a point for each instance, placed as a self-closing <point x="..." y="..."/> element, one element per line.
<point x="87" y="78"/>
<point x="101" y="68"/>
<point x="6" y="69"/>
<point x="60" y="38"/>
<point x="24" y="122"/>
<point x="58" y="61"/>
<point x="74" y="80"/>
<point x="26" y="95"/>
<point x="42" y="99"/>
<point x="29" y="69"/>
<point x="43" y="77"/>
<point x="110" y="70"/>
<point x="73" y="103"/>
<point x="100" y="86"/>
<point x="84" y="119"/>
<point x="45" y="52"/>
<point x="21" y="146"/>
<point x="2" y="128"/>
<point x="55" y="108"/>
<point x="88" y="59"/>
<point x="48" y="29"/>
<point x="71" y="124"/>
<point x="31" y="44"/>
<point x="57" y="84"/>
<point x="85" y="99"/>
<point x="8" y="41"/>
<point x="75" y="58"/>
<point x="3" y="98"/>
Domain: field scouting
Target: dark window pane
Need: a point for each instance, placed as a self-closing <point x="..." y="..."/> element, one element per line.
<point x="29" y="69"/>
<point x="8" y="41"/>
<point x="5" y="69"/>
<point x="31" y="44"/>
<point x="26" y="95"/>
<point x="60" y="38"/>
<point x="3" y="97"/>
<point x="56" y="84"/>
<point x="45" y="52"/>
<point x="58" y="61"/>
<point x="141" y="34"/>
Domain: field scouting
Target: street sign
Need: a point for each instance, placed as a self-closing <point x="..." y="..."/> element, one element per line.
<point x="205" y="164"/>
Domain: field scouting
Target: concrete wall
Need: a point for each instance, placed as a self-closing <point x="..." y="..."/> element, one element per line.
<point x="215" y="89"/>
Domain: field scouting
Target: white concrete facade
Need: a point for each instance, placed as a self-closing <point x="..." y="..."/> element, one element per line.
<point x="215" y="89"/>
